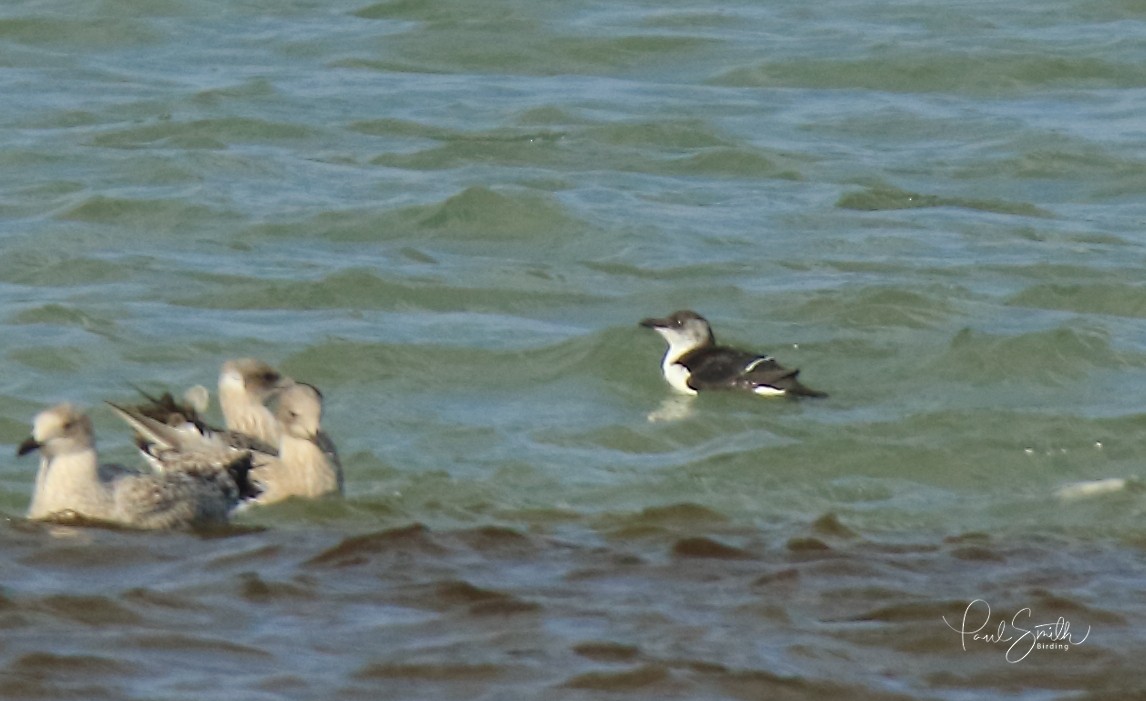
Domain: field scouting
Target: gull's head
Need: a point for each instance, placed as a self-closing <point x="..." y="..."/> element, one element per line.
<point x="252" y="377"/>
<point x="60" y="430"/>
<point x="684" y="330"/>
<point x="300" y="411"/>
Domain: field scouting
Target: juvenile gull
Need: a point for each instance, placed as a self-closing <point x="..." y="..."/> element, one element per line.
<point x="245" y="387"/>
<point x="694" y="362"/>
<point x="165" y="426"/>
<point x="169" y="438"/>
<point x="305" y="463"/>
<point x="308" y="464"/>
<point x="71" y="481"/>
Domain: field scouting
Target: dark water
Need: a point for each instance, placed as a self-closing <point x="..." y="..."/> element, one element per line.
<point x="673" y="602"/>
<point x="450" y="216"/>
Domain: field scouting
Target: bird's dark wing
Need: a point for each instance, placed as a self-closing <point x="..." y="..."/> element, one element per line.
<point x="727" y="368"/>
<point x="716" y="367"/>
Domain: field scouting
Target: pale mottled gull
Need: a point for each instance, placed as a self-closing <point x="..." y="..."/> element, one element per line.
<point x="165" y="427"/>
<point x="71" y="481"/>
<point x="305" y="463"/>
<point x="245" y="387"/>
<point x="170" y="441"/>
<point x="308" y="464"/>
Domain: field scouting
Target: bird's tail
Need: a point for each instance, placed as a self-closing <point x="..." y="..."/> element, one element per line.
<point x="789" y="385"/>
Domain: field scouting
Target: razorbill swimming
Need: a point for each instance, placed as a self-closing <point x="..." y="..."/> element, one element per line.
<point x="694" y="363"/>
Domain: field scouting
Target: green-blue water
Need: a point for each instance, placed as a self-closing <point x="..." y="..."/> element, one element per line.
<point x="450" y="216"/>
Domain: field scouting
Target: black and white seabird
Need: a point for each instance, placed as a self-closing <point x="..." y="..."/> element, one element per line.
<point x="694" y="363"/>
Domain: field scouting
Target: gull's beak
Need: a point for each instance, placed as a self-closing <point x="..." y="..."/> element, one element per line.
<point x="28" y="446"/>
<point x="654" y="323"/>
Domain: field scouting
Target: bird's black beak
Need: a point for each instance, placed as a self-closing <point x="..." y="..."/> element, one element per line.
<point x="28" y="446"/>
<point x="654" y="323"/>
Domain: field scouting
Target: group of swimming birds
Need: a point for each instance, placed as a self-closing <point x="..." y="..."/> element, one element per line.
<point x="200" y="474"/>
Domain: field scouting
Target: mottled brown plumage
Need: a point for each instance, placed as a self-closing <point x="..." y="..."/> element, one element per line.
<point x="71" y="481"/>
